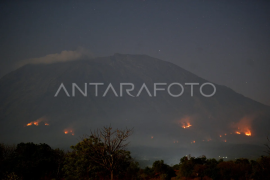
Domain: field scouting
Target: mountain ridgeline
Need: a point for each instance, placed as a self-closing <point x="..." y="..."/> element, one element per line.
<point x="163" y="125"/>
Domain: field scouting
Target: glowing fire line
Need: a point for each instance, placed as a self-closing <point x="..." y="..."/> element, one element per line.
<point x="67" y="131"/>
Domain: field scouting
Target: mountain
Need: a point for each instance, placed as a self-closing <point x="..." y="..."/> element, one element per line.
<point x="32" y="95"/>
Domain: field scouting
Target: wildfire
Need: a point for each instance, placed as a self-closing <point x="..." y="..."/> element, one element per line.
<point x="152" y="137"/>
<point x="33" y="123"/>
<point x="67" y="131"/>
<point x="248" y="133"/>
<point x="29" y="124"/>
<point x="225" y="140"/>
<point x="192" y="142"/>
<point x="220" y="135"/>
<point x="244" y="126"/>
<point x="185" y="122"/>
<point x="37" y="122"/>
<point x="186" y="126"/>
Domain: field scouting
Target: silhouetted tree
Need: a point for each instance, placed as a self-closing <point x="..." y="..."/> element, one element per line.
<point x="211" y="169"/>
<point x="33" y="161"/>
<point x="78" y="164"/>
<point x="5" y="154"/>
<point x="163" y="170"/>
<point x="102" y="150"/>
<point x="263" y="168"/>
<point x="132" y="171"/>
<point x="268" y="146"/>
<point x="186" y="167"/>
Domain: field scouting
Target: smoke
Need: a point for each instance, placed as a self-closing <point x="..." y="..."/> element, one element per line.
<point x="38" y="121"/>
<point x="244" y="125"/>
<point x="185" y="122"/>
<point x="63" y="56"/>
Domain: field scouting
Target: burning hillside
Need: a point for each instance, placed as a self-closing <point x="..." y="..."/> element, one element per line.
<point x="38" y="122"/>
<point x="243" y="126"/>
<point x="69" y="131"/>
<point x="185" y="122"/>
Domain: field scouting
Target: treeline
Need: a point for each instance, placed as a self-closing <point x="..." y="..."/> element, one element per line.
<point x="29" y="161"/>
<point x="102" y="156"/>
<point x="239" y="169"/>
<point x="40" y="161"/>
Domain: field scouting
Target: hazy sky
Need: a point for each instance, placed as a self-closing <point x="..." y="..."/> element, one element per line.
<point x="226" y="42"/>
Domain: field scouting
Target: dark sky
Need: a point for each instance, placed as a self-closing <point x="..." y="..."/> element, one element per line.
<point x="226" y="42"/>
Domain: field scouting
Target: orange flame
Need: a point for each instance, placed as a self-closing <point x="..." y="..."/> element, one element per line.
<point x="186" y="126"/>
<point x="244" y="126"/>
<point x="248" y="133"/>
<point x="37" y="122"/>
<point x="67" y="131"/>
<point x="29" y="124"/>
<point x="185" y="122"/>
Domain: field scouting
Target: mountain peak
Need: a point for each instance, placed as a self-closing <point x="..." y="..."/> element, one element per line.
<point x="28" y="94"/>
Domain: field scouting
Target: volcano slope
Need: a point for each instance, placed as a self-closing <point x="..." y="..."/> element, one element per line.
<point x="226" y="124"/>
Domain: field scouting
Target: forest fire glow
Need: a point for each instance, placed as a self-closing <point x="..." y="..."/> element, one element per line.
<point x="186" y="126"/>
<point x="37" y="122"/>
<point x="244" y="126"/>
<point x="69" y="131"/>
<point x="33" y="123"/>
<point x="185" y="122"/>
<point x="248" y="133"/>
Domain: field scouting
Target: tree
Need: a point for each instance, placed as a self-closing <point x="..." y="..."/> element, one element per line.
<point x="103" y="150"/>
<point x="211" y="169"/>
<point x="5" y="154"/>
<point x="32" y="161"/>
<point x="268" y="147"/>
<point x="261" y="168"/>
<point x="132" y="171"/>
<point x="78" y="164"/>
<point x="163" y="170"/>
